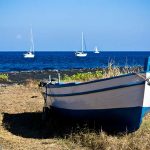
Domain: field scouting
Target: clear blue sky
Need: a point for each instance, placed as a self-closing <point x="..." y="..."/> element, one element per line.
<point x="57" y="24"/>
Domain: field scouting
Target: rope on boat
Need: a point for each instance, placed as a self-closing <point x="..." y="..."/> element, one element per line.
<point x="146" y="79"/>
<point x="141" y="76"/>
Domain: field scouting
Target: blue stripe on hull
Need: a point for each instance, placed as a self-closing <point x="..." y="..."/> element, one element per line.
<point x="130" y="118"/>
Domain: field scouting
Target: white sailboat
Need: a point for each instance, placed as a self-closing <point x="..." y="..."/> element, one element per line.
<point x="30" y="53"/>
<point x="96" y="50"/>
<point x="81" y="53"/>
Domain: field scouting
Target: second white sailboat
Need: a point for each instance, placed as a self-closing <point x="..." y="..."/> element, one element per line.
<point x="96" y="50"/>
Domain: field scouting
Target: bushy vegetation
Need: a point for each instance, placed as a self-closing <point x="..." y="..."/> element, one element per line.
<point x="3" y="77"/>
<point x="83" y="76"/>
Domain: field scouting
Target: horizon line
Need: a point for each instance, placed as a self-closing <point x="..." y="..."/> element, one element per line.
<point x="75" y="51"/>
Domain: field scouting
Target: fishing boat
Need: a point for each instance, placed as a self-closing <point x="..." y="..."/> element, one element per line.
<point x="123" y="99"/>
<point x="96" y="50"/>
<point x="30" y="53"/>
<point x="81" y="53"/>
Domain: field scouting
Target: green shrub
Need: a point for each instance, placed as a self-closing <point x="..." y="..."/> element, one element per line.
<point x="83" y="76"/>
<point x="3" y="77"/>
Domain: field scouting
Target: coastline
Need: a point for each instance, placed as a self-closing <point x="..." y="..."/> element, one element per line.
<point x="20" y="77"/>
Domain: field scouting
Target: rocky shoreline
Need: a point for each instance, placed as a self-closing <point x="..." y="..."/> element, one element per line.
<point x="21" y="76"/>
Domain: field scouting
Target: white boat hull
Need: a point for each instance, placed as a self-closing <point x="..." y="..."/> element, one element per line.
<point x="28" y="55"/>
<point x="117" y="98"/>
<point x="81" y="54"/>
<point x="96" y="52"/>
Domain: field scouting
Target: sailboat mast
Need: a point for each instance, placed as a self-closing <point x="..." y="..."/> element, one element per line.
<point x="82" y="42"/>
<point x="96" y="49"/>
<point x="32" y="41"/>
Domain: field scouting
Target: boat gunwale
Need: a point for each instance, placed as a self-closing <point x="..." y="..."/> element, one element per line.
<point x="88" y="82"/>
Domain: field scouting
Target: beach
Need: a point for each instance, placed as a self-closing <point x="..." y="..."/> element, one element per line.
<point x="20" y="120"/>
<point x="21" y="112"/>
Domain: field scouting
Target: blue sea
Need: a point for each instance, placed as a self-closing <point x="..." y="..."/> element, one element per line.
<point x="14" y="61"/>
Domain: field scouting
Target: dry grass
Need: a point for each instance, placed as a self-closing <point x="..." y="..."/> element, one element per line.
<point x="21" y="127"/>
<point x="20" y="120"/>
<point x="113" y="70"/>
<point x="139" y="140"/>
<point x="31" y="83"/>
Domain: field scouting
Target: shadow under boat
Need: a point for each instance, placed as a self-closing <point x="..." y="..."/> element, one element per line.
<point x="30" y="125"/>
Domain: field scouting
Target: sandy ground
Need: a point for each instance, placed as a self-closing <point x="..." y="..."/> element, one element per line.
<point x="20" y="120"/>
<point x="21" y="126"/>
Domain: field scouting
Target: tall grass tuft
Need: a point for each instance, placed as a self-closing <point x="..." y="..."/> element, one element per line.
<point x="111" y="70"/>
<point x="31" y="83"/>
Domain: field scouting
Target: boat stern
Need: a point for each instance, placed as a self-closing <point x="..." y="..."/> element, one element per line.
<point x="146" y="99"/>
